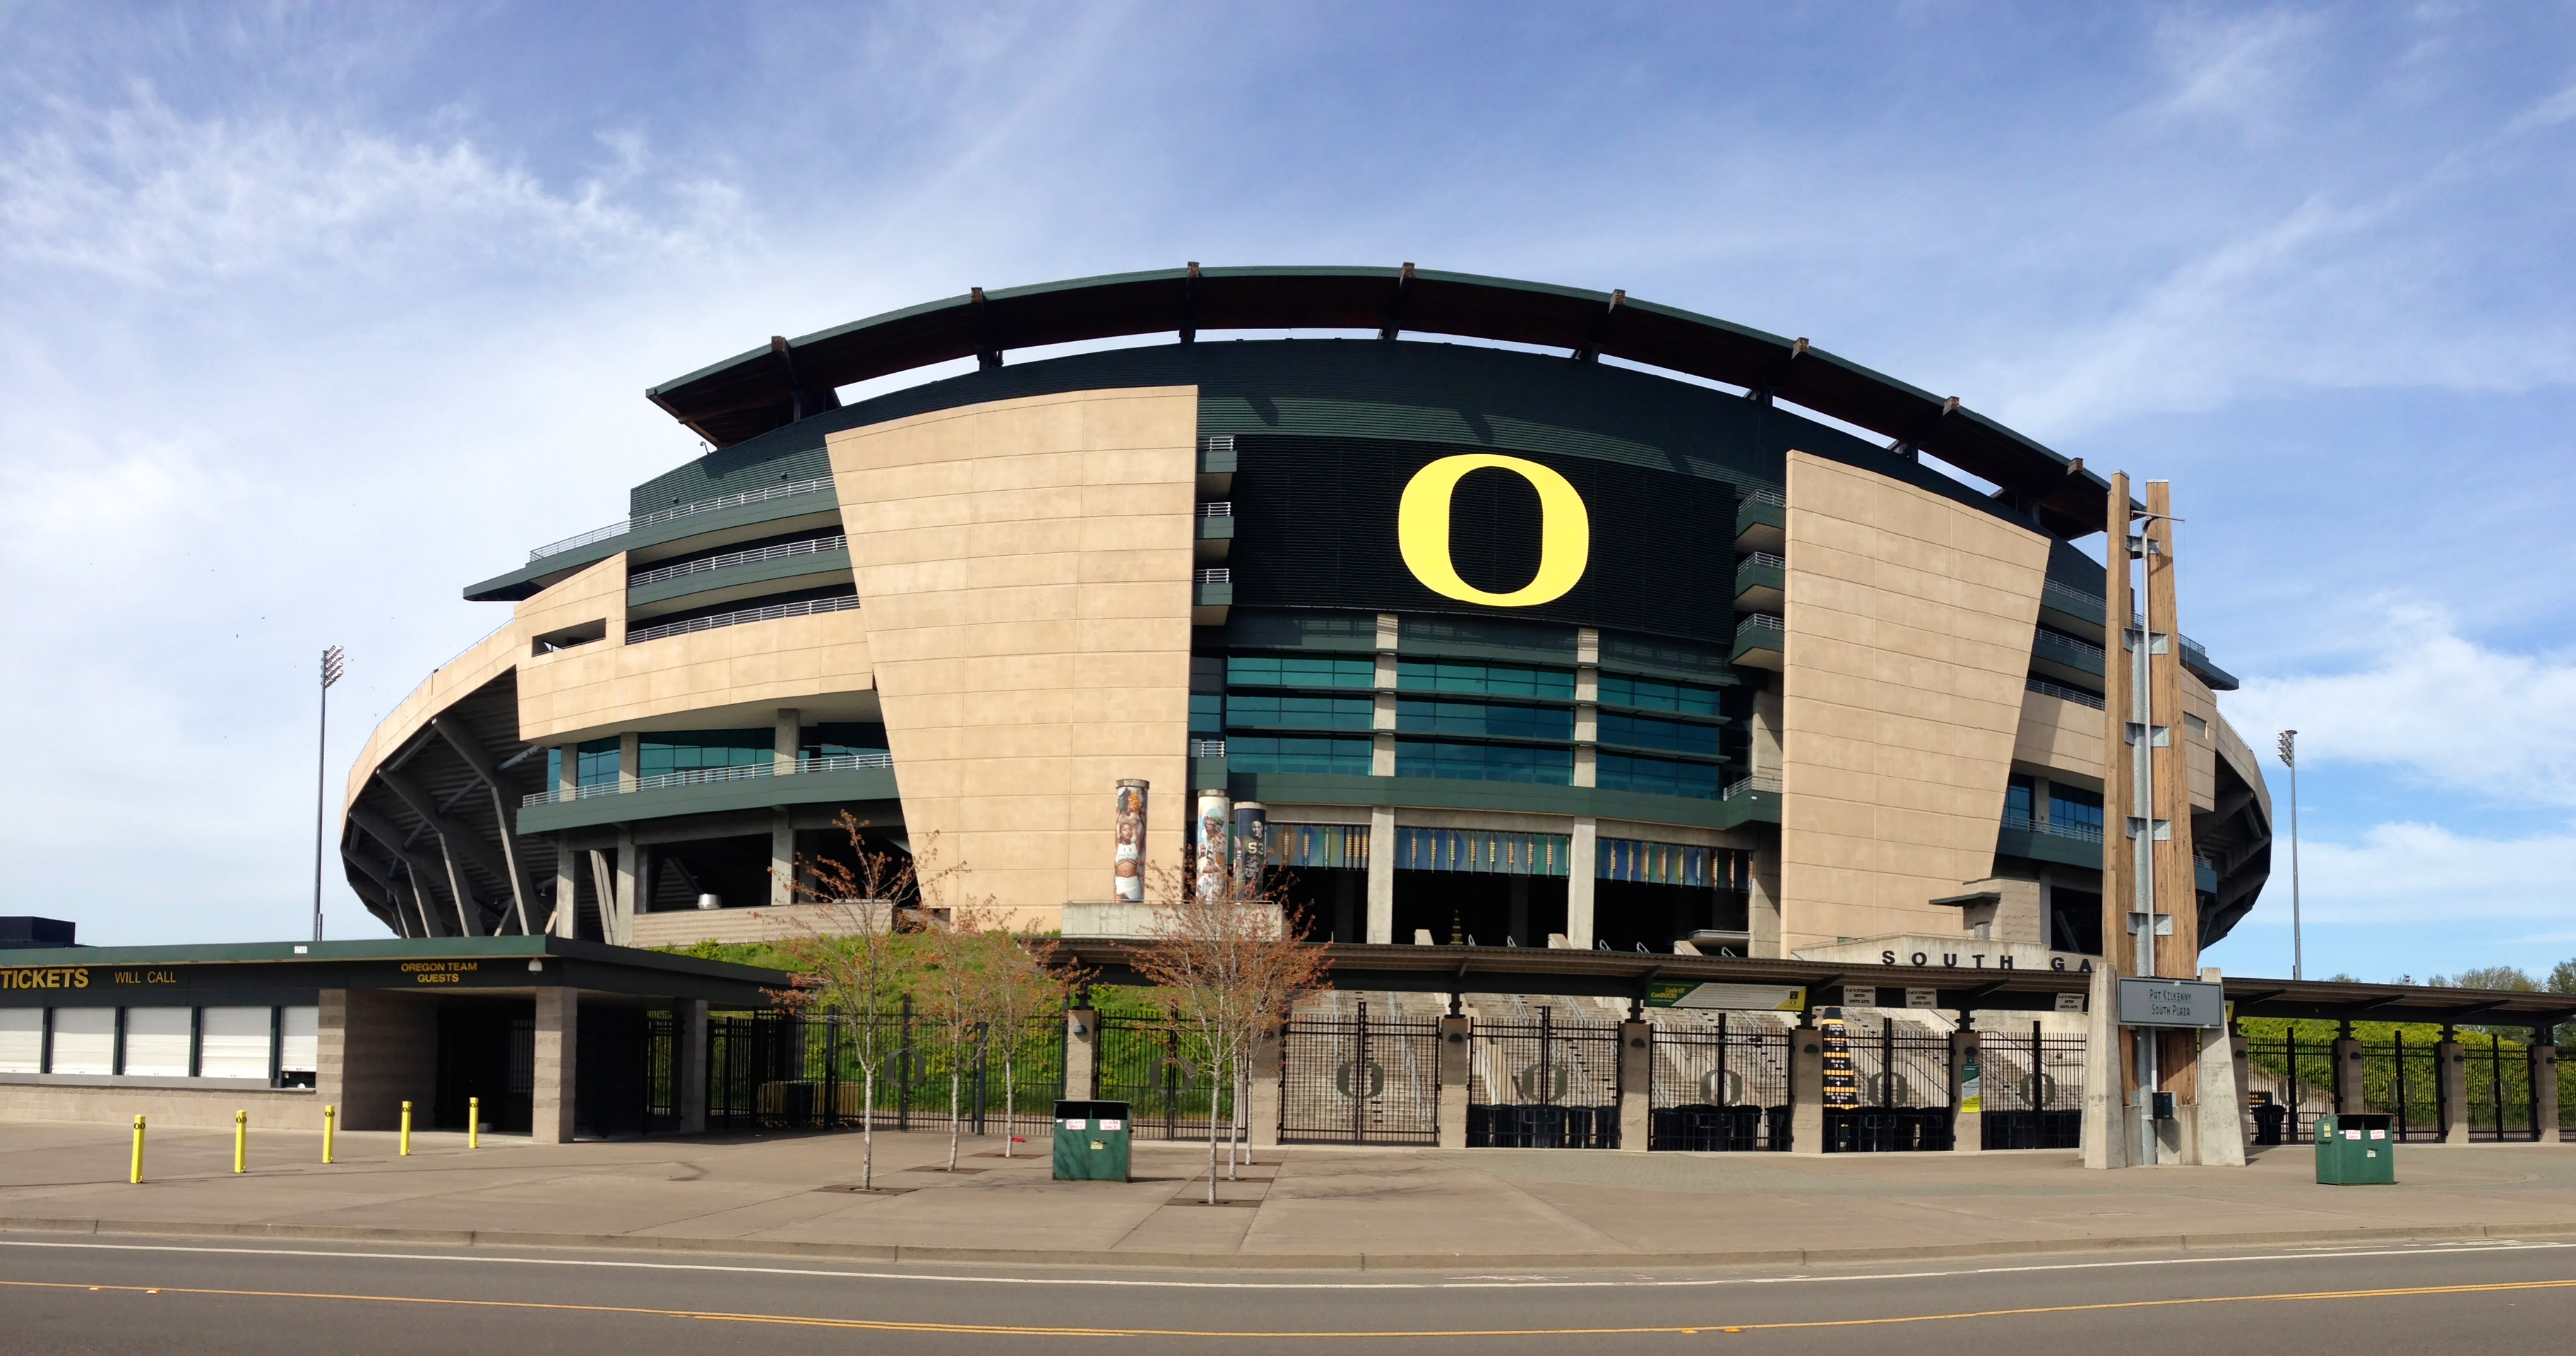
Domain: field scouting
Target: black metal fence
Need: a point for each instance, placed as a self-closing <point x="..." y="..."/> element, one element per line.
<point x="2403" y="1079"/>
<point x="1543" y="1084"/>
<point x="776" y="1070"/>
<point x="1899" y="1099"/>
<point x="2032" y="1090"/>
<point x="1359" y="1080"/>
<point x="1163" y="1073"/>
<point x="1720" y="1087"/>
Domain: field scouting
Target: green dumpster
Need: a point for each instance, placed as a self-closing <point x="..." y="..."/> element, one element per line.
<point x="1091" y="1141"/>
<point x="2356" y="1150"/>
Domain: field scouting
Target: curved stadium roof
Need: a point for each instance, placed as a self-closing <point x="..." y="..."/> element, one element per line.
<point x="789" y="379"/>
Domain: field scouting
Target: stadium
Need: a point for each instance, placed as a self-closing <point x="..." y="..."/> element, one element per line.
<point x="1612" y="623"/>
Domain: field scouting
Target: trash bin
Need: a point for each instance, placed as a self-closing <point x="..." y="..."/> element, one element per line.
<point x="2355" y="1150"/>
<point x="1091" y="1141"/>
<point x="2269" y="1117"/>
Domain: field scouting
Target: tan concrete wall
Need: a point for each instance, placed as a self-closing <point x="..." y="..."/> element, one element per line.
<point x="754" y="667"/>
<point x="2059" y="735"/>
<point x="1026" y="566"/>
<point x="1908" y="639"/>
<point x="269" y="1108"/>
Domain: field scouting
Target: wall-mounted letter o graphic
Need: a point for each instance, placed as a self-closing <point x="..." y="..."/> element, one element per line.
<point x="1422" y="530"/>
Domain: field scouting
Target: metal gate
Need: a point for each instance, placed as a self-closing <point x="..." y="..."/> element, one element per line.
<point x="1359" y="1080"/>
<point x="1162" y="1072"/>
<point x="2033" y="1090"/>
<point x="2403" y="1080"/>
<point x="1543" y="1085"/>
<point x="783" y="1071"/>
<point x="1894" y="1095"/>
<point x="1718" y="1084"/>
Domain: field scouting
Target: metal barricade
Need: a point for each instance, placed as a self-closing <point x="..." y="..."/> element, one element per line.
<point x="1359" y="1080"/>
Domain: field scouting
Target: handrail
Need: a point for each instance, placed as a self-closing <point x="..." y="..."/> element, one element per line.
<point x="816" y="546"/>
<point x="1207" y="748"/>
<point x="644" y="520"/>
<point x="1764" y="495"/>
<point x="1223" y="508"/>
<point x="2081" y="833"/>
<point x="1761" y="558"/>
<point x="1759" y="621"/>
<point x="2082" y="647"/>
<point x="2079" y="696"/>
<point x="1225" y="576"/>
<point x="2094" y="603"/>
<point x="709" y="776"/>
<point x="773" y="612"/>
<point x="1759" y="781"/>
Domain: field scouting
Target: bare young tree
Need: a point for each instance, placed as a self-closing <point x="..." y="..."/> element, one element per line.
<point x="847" y="955"/>
<point x="1226" y="965"/>
<point x="958" y="983"/>
<point x="1022" y="979"/>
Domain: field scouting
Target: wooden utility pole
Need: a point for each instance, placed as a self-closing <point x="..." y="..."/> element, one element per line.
<point x="2177" y="891"/>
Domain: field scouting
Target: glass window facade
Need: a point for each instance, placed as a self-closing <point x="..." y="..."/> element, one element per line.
<point x="833" y="740"/>
<point x="2017" y="793"/>
<point x="1303" y="757"/>
<point x="1655" y="776"/>
<point x="1268" y="711"/>
<point x="1646" y="732"/>
<point x="1280" y="670"/>
<point x="1484" y="680"/>
<point x="1481" y="720"/>
<point x="1484" y="762"/>
<point x="1618" y="689"/>
<point x="668" y="751"/>
<point x="2072" y="808"/>
<point x="595" y="763"/>
<point x="1207" y="713"/>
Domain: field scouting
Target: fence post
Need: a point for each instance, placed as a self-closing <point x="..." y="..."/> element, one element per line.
<point x="903" y="1071"/>
<point x="2451" y="1082"/>
<point x="1454" y="1065"/>
<point x="1967" y="1091"/>
<point x="2544" y="1084"/>
<point x="689" y="1050"/>
<point x="983" y="1046"/>
<point x="1636" y="1084"/>
<point x="1081" y="1051"/>
<point x="1806" y="1086"/>
<point x="2348" y="1097"/>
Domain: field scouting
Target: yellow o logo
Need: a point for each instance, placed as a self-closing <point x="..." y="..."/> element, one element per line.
<point x="1422" y="530"/>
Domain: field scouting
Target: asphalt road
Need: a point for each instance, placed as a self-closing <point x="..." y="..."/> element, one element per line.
<point x="66" y="1295"/>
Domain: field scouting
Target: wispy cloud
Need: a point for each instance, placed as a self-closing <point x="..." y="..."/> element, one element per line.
<point x="2432" y="704"/>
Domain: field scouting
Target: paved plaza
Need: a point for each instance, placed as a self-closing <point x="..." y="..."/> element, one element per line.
<point x="1311" y="1207"/>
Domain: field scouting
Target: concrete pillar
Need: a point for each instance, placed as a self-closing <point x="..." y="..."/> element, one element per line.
<point x="1454" y="1073"/>
<point x="782" y="857"/>
<point x="618" y="920"/>
<point x="1582" y="870"/>
<point x="2221" y="1113"/>
<point x="567" y="907"/>
<point x="1261" y="1100"/>
<point x="1967" y="1092"/>
<point x="2451" y="1077"/>
<point x="2237" y="1054"/>
<point x="558" y="1053"/>
<point x="1762" y="913"/>
<point x="1381" y="874"/>
<point x="689" y="1033"/>
<point x="2109" y="1126"/>
<point x="787" y="739"/>
<point x="1806" y="1087"/>
<point x="2544" y="1091"/>
<point x="1636" y="1085"/>
<point x="2347" y="1064"/>
<point x="630" y="758"/>
<point x="1081" y="1045"/>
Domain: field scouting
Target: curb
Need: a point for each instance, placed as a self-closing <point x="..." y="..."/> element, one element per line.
<point x="890" y="1254"/>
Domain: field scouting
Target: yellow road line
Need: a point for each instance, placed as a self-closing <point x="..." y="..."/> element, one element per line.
<point x="1017" y="1330"/>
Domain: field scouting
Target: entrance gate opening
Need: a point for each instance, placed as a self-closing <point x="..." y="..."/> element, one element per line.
<point x="1543" y="1084"/>
<point x="1360" y="1079"/>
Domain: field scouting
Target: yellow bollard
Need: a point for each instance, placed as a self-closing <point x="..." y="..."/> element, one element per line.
<point x="137" y="1175"/>
<point x="241" y="1141"/>
<point x="406" y="1133"/>
<point x="330" y="1122"/>
<point x="473" y="1122"/>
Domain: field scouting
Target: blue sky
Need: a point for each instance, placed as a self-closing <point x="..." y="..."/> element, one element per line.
<point x="316" y="313"/>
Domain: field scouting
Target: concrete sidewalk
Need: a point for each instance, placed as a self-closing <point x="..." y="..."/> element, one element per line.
<point x="1312" y="1207"/>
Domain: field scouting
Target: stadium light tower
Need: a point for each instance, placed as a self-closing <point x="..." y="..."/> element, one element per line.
<point x="332" y="662"/>
<point x="2290" y="760"/>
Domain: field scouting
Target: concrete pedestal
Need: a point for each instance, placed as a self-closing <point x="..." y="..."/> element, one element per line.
<point x="557" y="1066"/>
<point x="689" y="1030"/>
<point x="1967" y="1093"/>
<point x="2544" y="1092"/>
<point x="1081" y="1042"/>
<point x="1806" y="1090"/>
<point x="2108" y="1124"/>
<point x="2348" y="1096"/>
<point x="1636" y="1079"/>
<point x="1453" y="1082"/>
<point x="1261" y="1100"/>
<point x="2451" y="1075"/>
